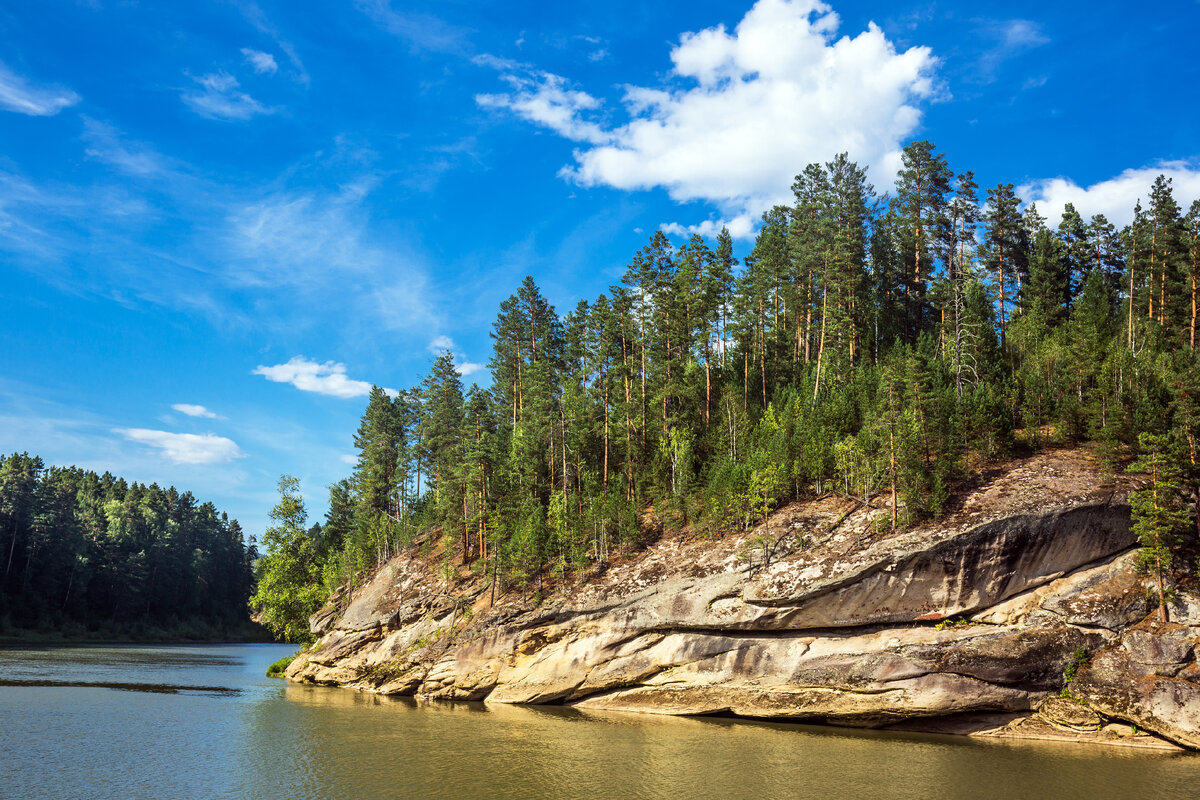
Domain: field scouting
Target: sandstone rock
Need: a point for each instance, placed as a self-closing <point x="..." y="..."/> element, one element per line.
<point x="1068" y="713"/>
<point x="840" y="628"/>
<point x="960" y="574"/>
<point x="1149" y="678"/>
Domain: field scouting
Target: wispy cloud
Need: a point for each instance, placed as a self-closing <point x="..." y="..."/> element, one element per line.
<point x="185" y="448"/>
<point x="327" y="378"/>
<point x="263" y="63"/>
<point x="106" y="144"/>
<point x="422" y="31"/>
<point x="300" y="258"/>
<point x="318" y="243"/>
<point x="1021" y="34"/>
<point x="219" y="98"/>
<point x="19" y="95"/>
<point x="195" y="411"/>
<point x="256" y="17"/>
<point x="1009" y="38"/>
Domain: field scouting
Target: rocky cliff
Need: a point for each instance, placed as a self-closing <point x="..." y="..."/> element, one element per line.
<point x="966" y="625"/>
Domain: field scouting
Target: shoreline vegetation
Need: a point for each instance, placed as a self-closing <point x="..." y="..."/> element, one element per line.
<point x="886" y="347"/>
<point x="140" y="632"/>
<point x="89" y="557"/>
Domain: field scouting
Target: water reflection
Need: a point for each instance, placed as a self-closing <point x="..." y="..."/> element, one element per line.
<point x="155" y="688"/>
<point x="63" y="735"/>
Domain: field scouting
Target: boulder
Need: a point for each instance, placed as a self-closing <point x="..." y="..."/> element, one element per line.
<point x="1149" y="678"/>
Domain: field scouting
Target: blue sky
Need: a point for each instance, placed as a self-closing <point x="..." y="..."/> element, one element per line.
<point x="221" y="222"/>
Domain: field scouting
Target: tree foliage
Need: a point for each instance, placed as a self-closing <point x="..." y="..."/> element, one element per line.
<point x="880" y="347"/>
<point x="97" y="552"/>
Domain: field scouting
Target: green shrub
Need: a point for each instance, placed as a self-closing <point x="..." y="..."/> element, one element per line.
<point x="276" y="670"/>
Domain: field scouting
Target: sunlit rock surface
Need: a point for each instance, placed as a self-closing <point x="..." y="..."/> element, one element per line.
<point x="972" y="618"/>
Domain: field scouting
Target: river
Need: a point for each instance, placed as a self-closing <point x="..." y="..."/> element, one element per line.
<point x="204" y="722"/>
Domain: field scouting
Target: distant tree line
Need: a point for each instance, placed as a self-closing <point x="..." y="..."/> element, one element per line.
<point x="877" y="346"/>
<point x="85" y="551"/>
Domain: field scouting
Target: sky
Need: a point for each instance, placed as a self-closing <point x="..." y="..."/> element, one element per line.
<point x="221" y="222"/>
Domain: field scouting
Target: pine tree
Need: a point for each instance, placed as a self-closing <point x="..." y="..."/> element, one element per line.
<point x="1158" y="516"/>
<point x="1077" y="254"/>
<point x="1004" y="250"/>
<point x="920" y="210"/>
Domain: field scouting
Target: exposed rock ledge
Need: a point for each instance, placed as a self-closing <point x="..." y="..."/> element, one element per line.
<point x="940" y="628"/>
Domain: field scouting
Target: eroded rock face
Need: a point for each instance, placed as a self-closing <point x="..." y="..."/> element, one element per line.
<point x="958" y="575"/>
<point x="1150" y="678"/>
<point x="976" y="616"/>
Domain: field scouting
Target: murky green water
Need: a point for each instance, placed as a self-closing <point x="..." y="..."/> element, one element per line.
<point x="184" y="722"/>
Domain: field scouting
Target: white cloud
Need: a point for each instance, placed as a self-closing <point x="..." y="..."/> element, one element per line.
<point x="311" y="376"/>
<point x="107" y="144"/>
<point x="185" y="448"/>
<point x="422" y="31"/>
<point x="740" y="227"/>
<point x="1011" y="38"/>
<point x="547" y="100"/>
<point x="497" y="63"/>
<point x="195" y="411"/>
<point x="1115" y="197"/>
<point x="347" y="458"/>
<point x="444" y="344"/>
<point x="263" y="63"/>
<point x="319" y="245"/>
<point x="745" y="110"/>
<point x="255" y="16"/>
<point x="17" y="94"/>
<point x="466" y="368"/>
<point x="219" y="98"/>
<point x="1020" y="34"/>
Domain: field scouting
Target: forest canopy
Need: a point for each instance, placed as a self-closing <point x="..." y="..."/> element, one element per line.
<point x="879" y="345"/>
<point x="85" y="553"/>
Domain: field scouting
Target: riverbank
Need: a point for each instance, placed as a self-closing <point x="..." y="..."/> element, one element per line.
<point x="228" y="731"/>
<point x="139" y="632"/>
<point x="1023" y="601"/>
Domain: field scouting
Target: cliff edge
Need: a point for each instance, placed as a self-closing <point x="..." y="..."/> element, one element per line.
<point x="965" y="625"/>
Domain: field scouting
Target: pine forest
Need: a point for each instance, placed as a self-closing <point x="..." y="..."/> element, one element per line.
<point x="884" y="346"/>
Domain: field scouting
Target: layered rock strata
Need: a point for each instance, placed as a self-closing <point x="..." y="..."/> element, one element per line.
<point x="977" y="616"/>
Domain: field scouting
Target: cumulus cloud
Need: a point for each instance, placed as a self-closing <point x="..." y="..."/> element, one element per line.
<point x="312" y="376"/>
<point x="1115" y="197"/>
<point x="744" y="111"/>
<point x="218" y="97"/>
<point x="263" y="63"/>
<point x="19" y="95"/>
<point x="195" y="411"/>
<point x="185" y="448"/>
